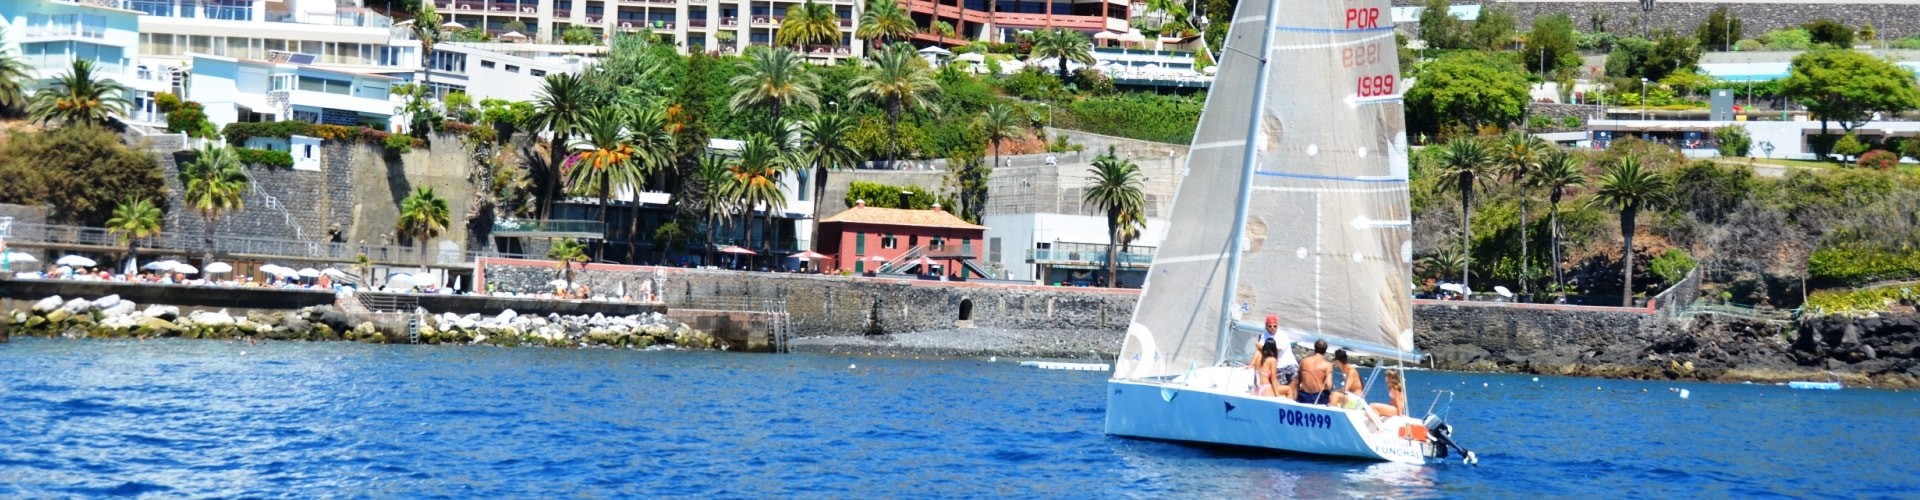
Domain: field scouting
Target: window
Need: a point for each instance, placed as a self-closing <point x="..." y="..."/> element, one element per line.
<point x="859" y="243"/>
<point x="936" y="243"/>
<point x="486" y="64"/>
<point x="889" y="241"/>
<point x="513" y="69"/>
<point x="537" y="73"/>
<point x="325" y="85"/>
<point x="966" y="246"/>
<point x="993" y="249"/>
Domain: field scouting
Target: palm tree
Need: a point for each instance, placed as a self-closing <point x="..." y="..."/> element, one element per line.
<point x="1115" y="189"/>
<point x="560" y="107"/>
<point x="774" y="78"/>
<point x="1559" y="170"/>
<point x="824" y="140"/>
<point x="1463" y="162"/>
<point x="1628" y="187"/>
<point x="215" y="183"/>
<point x="79" y="97"/>
<point x="13" y="77"/>
<point x="899" y="81"/>
<point x="423" y="215"/>
<point x="1062" y="44"/>
<point x="1000" y="123"/>
<point x="1518" y="156"/>
<point x="134" y="219"/>
<point x="883" y="22"/>
<point x="426" y="27"/>
<point x="756" y="182"/>
<point x="567" y="251"/>
<point x="709" y="189"/>
<point x="809" y="23"/>
<point x="942" y="29"/>
<point x="605" y="157"/>
<point x="653" y="151"/>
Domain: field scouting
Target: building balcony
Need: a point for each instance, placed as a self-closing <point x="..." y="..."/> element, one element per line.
<point x="640" y="24"/>
<point x="729" y="21"/>
<point x="1089" y="256"/>
<point x="767" y="21"/>
<point x="696" y="23"/>
<point x="591" y="229"/>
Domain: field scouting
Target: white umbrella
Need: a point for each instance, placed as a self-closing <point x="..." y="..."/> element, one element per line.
<point x="75" y="261"/>
<point x="271" y="269"/>
<point x="219" y="267"/>
<point x="160" y="265"/>
<point x="935" y="50"/>
<point x="513" y="35"/>
<point x="281" y="271"/>
<point x="400" y="281"/>
<point x="1133" y="37"/>
<point x="1503" y="291"/>
<point x="1106" y="35"/>
<point x="308" y="273"/>
<point x="453" y="25"/>
<point x="334" y="272"/>
<point x="19" y="257"/>
<point x="971" y="57"/>
<point x="185" y="269"/>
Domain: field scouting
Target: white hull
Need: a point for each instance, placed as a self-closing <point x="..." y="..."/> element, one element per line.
<point x="1056" y="365"/>
<point x="1215" y="413"/>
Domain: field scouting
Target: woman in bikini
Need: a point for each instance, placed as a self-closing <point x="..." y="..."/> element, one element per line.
<point x="1396" y="394"/>
<point x="1265" y="362"/>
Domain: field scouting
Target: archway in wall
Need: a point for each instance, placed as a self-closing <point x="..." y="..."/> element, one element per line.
<point x="966" y="309"/>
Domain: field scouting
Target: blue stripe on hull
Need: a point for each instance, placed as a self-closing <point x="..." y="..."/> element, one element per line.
<point x="1174" y="413"/>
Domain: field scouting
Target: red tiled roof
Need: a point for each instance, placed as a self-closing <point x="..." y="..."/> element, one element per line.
<point x="901" y="217"/>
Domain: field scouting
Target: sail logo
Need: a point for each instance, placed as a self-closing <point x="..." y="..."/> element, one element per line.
<point x="1299" y="418"/>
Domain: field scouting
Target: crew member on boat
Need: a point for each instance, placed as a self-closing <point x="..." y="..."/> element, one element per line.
<point x="1315" y="384"/>
<point x="1351" y="389"/>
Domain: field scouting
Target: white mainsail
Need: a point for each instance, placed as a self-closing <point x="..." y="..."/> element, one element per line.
<point x="1326" y="245"/>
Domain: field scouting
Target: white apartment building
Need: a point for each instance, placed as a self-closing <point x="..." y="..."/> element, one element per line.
<point x="349" y="37"/>
<point x="485" y="74"/>
<point x="711" y="25"/>
<point x="288" y="88"/>
<point x="48" y="35"/>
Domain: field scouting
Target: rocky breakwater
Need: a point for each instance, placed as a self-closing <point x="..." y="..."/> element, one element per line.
<point x="1879" y="351"/>
<point x="113" y="317"/>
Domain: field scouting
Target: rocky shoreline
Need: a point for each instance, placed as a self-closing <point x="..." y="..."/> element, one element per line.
<point x="969" y="343"/>
<point x="112" y="317"/>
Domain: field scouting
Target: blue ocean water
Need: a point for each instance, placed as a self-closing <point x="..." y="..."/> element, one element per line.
<point x="186" y="418"/>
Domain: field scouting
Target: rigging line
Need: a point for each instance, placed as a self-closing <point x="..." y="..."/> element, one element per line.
<point x="1189" y="258"/>
<point x="1270" y="173"/>
<point x="1319" y="218"/>
<point x="1216" y="144"/>
<point x="1290" y="189"/>
<point x="1329" y="45"/>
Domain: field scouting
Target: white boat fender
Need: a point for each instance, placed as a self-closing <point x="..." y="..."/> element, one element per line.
<point x="1684" y="394"/>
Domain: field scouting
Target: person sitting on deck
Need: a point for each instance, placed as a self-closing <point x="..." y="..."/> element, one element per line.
<point x="1315" y="384"/>
<point x="1351" y="389"/>
<point x="1396" y="397"/>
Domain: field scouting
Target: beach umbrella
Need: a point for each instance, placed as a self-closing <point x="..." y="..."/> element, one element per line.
<point x="219" y="267"/>
<point x="282" y="271"/>
<point x="972" y="57"/>
<point x="75" y="261"/>
<point x="1503" y="291"/>
<point x="19" y="257"/>
<point x="308" y="273"/>
<point x="1134" y="36"/>
<point x="333" y="272"/>
<point x="877" y="258"/>
<point x="1106" y="35"/>
<point x="401" y="280"/>
<point x="453" y="25"/>
<point x="923" y="261"/>
<point x="185" y="269"/>
<point x="161" y="265"/>
<point x="807" y="255"/>
<point x="736" y="249"/>
<point x="513" y="35"/>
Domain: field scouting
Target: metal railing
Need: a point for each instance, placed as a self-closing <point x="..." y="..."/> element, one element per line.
<point x="51" y="234"/>
<point x="388" y="302"/>
<point x="1090" y="254"/>
<point x="505" y="227"/>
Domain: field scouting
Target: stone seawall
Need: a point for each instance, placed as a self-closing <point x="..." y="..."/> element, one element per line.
<point x="1892" y="20"/>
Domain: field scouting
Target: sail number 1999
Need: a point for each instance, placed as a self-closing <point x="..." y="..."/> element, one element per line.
<point x="1376" y="85"/>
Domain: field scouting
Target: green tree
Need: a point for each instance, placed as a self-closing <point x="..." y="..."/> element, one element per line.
<point x="1559" y="171"/>
<point x="883" y="22"/>
<point x="1493" y="30"/>
<point x="1465" y="163"/>
<point x="652" y="137"/>
<point x="1628" y="188"/>
<point x="755" y="182"/>
<point x="1517" y="157"/>
<point x="1653" y="59"/>
<point x="709" y="191"/>
<point x="898" y="81"/>
<point x="80" y="97"/>
<point x="808" y="24"/>
<point x="579" y="35"/>
<point x="1551" y="45"/>
<point x="1001" y="122"/>
<point x="1830" y="33"/>
<point x="515" y="26"/>
<point x="1113" y="186"/>
<point x="668" y="236"/>
<point x="1850" y="146"/>
<point x="567" y="251"/>
<point x="1732" y="141"/>
<point x="426" y="28"/>
<point x="134" y="219"/>
<point x="1464" y="91"/>
<point x="604" y="149"/>
<point x="1439" y="28"/>
<point x="1847" y="87"/>
<point x="215" y="183"/>
<point x="1062" y="45"/>
<point x="13" y="77"/>
<point x="774" y="78"/>
<point x="824" y="138"/>
<point x="423" y="215"/>
<point x="1720" y="30"/>
<point x="459" y="106"/>
<point x="559" y="108"/>
<point x="77" y="172"/>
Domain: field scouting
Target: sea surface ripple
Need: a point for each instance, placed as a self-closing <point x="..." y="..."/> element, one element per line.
<point x="187" y="418"/>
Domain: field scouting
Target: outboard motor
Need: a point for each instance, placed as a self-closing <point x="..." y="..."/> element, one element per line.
<point x="1443" y="435"/>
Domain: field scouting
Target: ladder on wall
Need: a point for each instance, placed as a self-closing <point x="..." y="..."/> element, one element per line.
<point x="779" y="324"/>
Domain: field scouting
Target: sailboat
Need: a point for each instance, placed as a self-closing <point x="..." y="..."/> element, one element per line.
<point x="1293" y="202"/>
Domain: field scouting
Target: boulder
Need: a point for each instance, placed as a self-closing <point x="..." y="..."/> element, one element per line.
<point x="59" y="316"/>
<point x="77" y="306"/>
<point x="106" y="302"/>
<point x="48" y="304"/>
<point x="119" y="309"/>
<point x="211" y="319"/>
<point x="168" y="313"/>
<point x="506" y="316"/>
<point x="151" y="325"/>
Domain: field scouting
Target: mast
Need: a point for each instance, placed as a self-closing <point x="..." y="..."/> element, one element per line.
<point x="1246" y="182"/>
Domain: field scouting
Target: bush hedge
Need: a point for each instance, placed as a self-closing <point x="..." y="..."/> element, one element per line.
<point x="1147" y="117"/>
<point x="1879" y="159"/>
<point x="268" y="157"/>
<point x="1862" y="300"/>
<point x="1858" y="264"/>
<point x="238" y="133"/>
